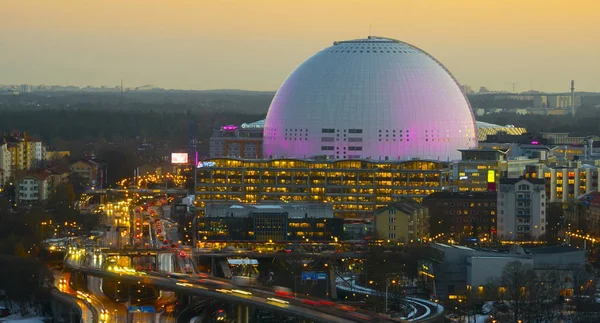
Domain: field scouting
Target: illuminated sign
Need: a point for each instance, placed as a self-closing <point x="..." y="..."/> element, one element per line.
<point x="206" y="164"/>
<point x="179" y="158"/>
<point x="491" y="176"/>
<point x="229" y="127"/>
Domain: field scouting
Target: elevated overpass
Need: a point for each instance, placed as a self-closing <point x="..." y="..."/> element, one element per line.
<point x="171" y="191"/>
<point x="211" y="289"/>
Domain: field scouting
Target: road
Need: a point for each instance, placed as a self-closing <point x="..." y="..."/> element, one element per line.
<point x="212" y="289"/>
<point x="115" y="311"/>
<point x="149" y="231"/>
<point x="421" y="310"/>
<point x="88" y="309"/>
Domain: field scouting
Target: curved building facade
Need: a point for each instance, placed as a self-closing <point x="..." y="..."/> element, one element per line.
<point x="374" y="98"/>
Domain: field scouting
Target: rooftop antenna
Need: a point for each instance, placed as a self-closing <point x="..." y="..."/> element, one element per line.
<point x="573" y="97"/>
<point x="513" y="85"/>
<point x="121" y="85"/>
<point x="369" y="30"/>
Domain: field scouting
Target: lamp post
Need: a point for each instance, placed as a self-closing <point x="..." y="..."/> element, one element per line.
<point x="387" y="284"/>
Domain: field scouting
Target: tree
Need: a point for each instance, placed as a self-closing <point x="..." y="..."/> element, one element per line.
<point x="581" y="281"/>
<point x="515" y="279"/>
<point x="542" y="294"/>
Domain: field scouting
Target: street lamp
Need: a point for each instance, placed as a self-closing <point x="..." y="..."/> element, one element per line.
<point x="387" y="284"/>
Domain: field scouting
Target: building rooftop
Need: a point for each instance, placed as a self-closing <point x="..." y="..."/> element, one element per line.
<point x="591" y="198"/>
<point x="463" y="195"/>
<point x="406" y="205"/>
<point x="552" y="250"/>
<point x="509" y="181"/>
<point x="42" y="175"/>
<point x="260" y="124"/>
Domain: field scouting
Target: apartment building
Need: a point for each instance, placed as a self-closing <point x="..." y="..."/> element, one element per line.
<point x="521" y="209"/>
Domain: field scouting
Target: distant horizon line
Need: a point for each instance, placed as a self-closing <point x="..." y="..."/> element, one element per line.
<point x="150" y="87"/>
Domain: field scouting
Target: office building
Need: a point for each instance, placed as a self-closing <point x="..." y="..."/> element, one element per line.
<point x="283" y="222"/>
<point x="521" y="209"/>
<point x="355" y="188"/>
<point x="405" y="221"/>
<point x="464" y="217"/>
<point x="245" y="141"/>
<point x="479" y="170"/>
<point x="566" y="183"/>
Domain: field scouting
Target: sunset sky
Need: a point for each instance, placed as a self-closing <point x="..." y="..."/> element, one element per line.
<point x="255" y="44"/>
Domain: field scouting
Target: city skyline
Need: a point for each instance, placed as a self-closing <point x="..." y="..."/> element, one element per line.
<point x="189" y="45"/>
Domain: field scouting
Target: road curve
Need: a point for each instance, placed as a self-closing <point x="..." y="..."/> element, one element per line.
<point x="198" y="290"/>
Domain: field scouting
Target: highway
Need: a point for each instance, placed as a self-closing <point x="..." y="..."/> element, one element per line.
<point x="175" y="272"/>
<point x="213" y="289"/>
<point x="89" y="309"/>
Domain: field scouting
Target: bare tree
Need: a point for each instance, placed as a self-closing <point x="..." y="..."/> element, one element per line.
<point x="541" y="296"/>
<point x="515" y="279"/>
<point x="580" y="280"/>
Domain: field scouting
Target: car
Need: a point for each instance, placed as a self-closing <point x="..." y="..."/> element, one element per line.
<point x="4" y="311"/>
<point x="326" y="303"/>
<point x="309" y="302"/>
<point x="345" y="308"/>
<point x="284" y="294"/>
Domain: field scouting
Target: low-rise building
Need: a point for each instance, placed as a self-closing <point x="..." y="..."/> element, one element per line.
<point x="268" y="222"/>
<point x="57" y="154"/>
<point x="150" y="169"/>
<point x="453" y="270"/>
<point x="244" y="141"/>
<point x="462" y="216"/>
<point x="87" y="170"/>
<point x="584" y="217"/>
<point x="404" y="221"/>
<point x="56" y="176"/>
<point x="33" y="188"/>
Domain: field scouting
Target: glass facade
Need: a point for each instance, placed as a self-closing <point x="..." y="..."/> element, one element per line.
<point x="355" y="188"/>
<point x="274" y="227"/>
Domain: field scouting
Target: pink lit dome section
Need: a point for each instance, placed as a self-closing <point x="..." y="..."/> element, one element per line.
<point x="374" y="98"/>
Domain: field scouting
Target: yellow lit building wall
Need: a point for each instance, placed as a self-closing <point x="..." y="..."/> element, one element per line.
<point x="23" y="155"/>
<point x="392" y="224"/>
<point x="474" y="176"/>
<point x="355" y="188"/>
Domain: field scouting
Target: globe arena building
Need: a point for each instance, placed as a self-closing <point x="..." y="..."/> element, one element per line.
<point x="375" y="98"/>
<point x="359" y="125"/>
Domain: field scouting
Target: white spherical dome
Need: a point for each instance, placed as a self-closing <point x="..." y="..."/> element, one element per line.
<point x="374" y="98"/>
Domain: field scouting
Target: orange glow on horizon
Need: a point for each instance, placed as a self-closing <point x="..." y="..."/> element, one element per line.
<point x="256" y="44"/>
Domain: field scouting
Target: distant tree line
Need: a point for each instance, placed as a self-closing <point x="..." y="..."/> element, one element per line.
<point x="63" y="127"/>
<point x="585" y="122"/>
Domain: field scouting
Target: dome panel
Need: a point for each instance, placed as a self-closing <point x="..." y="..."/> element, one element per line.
<point x="375" y="98"/>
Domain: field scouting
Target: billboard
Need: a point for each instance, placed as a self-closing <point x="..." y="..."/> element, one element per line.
<point x="179" y="158"/>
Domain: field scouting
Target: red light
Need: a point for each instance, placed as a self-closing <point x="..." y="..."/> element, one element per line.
<point x="220" y="311"/>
